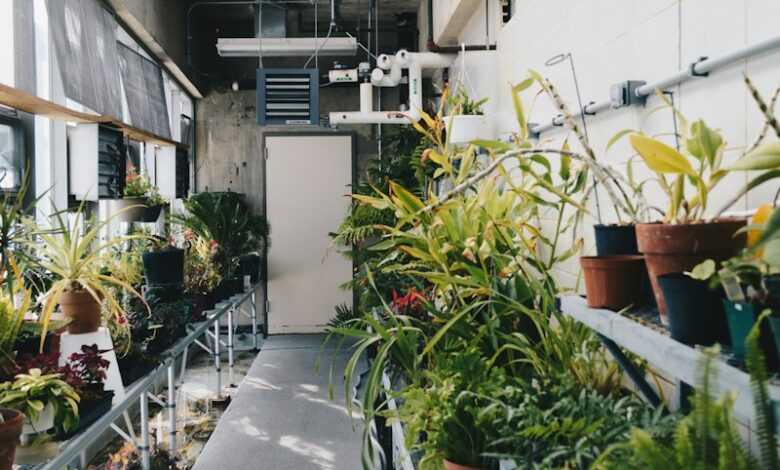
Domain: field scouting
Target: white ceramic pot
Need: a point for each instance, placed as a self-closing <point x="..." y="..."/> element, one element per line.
<point x="43" y="423"/>
<point x="462" y="129"/>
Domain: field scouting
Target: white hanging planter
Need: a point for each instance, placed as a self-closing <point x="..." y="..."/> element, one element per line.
<point x="135" y="210"/>
<point x="43" y="423"/>
<point x="462" y="129"/>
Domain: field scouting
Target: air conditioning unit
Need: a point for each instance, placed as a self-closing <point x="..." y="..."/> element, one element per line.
<point x="288" y="96"/>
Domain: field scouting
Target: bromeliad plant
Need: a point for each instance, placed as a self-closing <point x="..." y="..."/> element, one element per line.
<point x="73" y="257"/>
<point x="138" y="185"/>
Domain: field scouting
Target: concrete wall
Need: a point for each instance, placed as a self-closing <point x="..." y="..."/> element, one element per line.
<point x="229" y="140"/>
<point x="166" y="22"/>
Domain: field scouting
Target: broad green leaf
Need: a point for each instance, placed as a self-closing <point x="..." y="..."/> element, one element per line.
<point x="703" y="271"/>
<point x="496" y="145"/>
<point x="618" y="136"/>
<point x="522" y="123"/>
<point x="765" y="157"/>
<point x="704" y="143"/>
<point x="660" y="157"/>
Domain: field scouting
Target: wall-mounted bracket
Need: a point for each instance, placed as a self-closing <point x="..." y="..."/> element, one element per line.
<point x="624" y="94"/>
<point x="585" y="109"/>
<point x="692" y="69"/>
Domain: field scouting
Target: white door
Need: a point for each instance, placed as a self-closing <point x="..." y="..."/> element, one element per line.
<point x="307" y="180"/>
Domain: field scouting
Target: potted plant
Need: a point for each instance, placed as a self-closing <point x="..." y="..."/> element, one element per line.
<point x="141" y="201"/>
<point x="11" y="424"/>
<point x="687" y="236"/>
<point x="45" y="399"/>
<point x="201" y="274"/>
<point x="11" y="320"/>
<point x="86" y="372"/>
<point x="467" y="121"/>
<point x="163" y="263"/>
<point x="613" y="282"/>
<point x="226" y="219"/>
<point x="72" y="254"/>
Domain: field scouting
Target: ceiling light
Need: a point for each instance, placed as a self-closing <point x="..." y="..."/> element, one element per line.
<point x="285" y="47"/>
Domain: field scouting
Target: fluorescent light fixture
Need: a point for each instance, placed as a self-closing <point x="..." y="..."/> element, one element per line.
<point x="285" y="47"/>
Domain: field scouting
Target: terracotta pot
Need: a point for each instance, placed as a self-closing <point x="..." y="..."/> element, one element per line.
<point x="613" y="282"/>
<point x="10" y="430"/>
<point x="82" y="309"/>
<point x="456" y="466"/>
<point x="678" y="248"/>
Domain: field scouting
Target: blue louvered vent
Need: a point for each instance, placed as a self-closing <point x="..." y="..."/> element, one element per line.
<point x="288" y="96"/>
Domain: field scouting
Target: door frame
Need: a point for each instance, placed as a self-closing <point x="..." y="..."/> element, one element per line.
<point x="354" y="181"/>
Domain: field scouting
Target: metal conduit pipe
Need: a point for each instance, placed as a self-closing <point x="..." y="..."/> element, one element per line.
<point x="698" y="69"/>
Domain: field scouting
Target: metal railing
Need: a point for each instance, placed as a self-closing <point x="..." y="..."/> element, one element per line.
<point x="140" y="392"/>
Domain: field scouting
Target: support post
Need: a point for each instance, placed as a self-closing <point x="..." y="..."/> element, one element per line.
<point x="217" y="364"/>
<point x="171" y="409"/>
<point x="254" y="318"/>
<point x="184" y="363"/>
<point x="143" y="448"/>
<point x="230" y="345"/>
<point x="630" y="369"/>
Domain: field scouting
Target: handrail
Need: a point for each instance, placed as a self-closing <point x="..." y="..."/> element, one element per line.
<point x="73" y="448"/>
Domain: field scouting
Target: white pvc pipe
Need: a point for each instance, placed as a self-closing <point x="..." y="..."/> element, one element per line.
<point x="415" y="62"/>
<point x="682" y="76"/>
<point x="366" y="97"/>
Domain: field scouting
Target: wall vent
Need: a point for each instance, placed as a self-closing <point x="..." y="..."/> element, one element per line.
<point x="288" y="96"/>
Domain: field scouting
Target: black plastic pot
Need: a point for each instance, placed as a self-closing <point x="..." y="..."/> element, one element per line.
<point x="614" y="240"/>
<point x="250" y="265"/>
<point x="695" y="313"/>
<point x="89" y="412"/>
<point x="772" y="284"/>
<point x="131" y="371"/>
<point x="165" y="267"/>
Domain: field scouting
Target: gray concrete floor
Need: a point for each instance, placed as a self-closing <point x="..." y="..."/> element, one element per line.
<point x="281" y="417"/>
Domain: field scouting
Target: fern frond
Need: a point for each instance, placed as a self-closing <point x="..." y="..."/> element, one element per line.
<point x="764" y="419"/>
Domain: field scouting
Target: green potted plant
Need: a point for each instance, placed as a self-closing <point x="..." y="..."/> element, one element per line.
<point x="11" y="424"/>
<point x="11" y="320"/>
<point x="226" y="219"/>
<point x="45" y="400"/>
<point x="466" y="121"/>
<point x="141" y="201"/>
<point x="201" y="273"/>
<point x="686" y="235"/>
<point x="72" y="254"/>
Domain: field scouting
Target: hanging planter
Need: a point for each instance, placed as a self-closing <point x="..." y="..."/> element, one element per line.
<point x="82" y="309"/>
<point x="131" y="209"/>
<point x="463" y="128"/>
<point x="612" y="282"/>
<point x="164" y="267"/>
<point x="10" y="431"/>
<point x="676" y="248"/>
<point x="695" y="312"/>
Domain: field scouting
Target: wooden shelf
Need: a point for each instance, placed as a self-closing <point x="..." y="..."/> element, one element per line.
<point x="671" y="357"/>
<point x="32" y="104"/>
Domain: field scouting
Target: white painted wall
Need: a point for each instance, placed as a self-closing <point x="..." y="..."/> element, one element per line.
<point x="7" y="43"/>
<point x="616" y="40"/>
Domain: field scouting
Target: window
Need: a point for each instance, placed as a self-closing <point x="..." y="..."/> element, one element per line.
<point x="12" y="159"/>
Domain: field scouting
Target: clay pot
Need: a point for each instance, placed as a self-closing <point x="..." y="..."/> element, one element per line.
<point x="613" y="282"/>
<point x="82" y="309"/>
<point x="456" y="466"/>
<point x="676" y="248"/>
<point x="10" y="430"/>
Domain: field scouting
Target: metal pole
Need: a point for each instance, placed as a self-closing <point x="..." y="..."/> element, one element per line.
<point x="171" y="409"/>
<point x="144" y="447"/>
<point x="184" y="363"/>
<point x="230" y="345"/>
<point x="254" y="319"/>
<point x="217" y="364"/>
